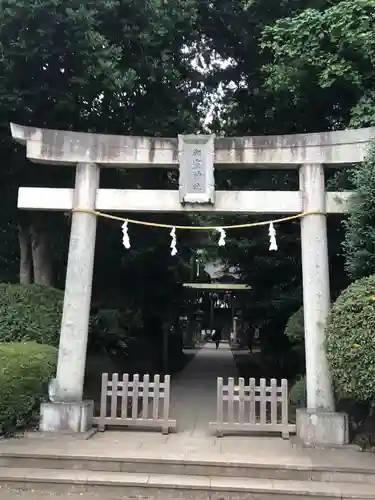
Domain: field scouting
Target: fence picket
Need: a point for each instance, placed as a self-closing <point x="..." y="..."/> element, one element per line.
<point x="124" y="396"/>
<point x="114" y="395"/>
<point x="273" y="401"/>
<point x="167" y="381"/>
<point x="135" y="393"/>
<point x="284" y="407"/>
<point x="103" y="402"/>
<point x="146" y="383"/>
<point x="231" y="399"/>
<point x="263" y="401"/>
<point x="220" y="406"/>
<point x="155" y="403"/>
<point x="252" y="394"/>
<point x="241" y="404"/>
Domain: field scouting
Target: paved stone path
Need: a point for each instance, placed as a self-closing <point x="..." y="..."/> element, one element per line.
<point x="193" y="392"/>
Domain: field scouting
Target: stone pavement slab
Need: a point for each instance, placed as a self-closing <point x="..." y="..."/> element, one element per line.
<point x="157" y="483"/>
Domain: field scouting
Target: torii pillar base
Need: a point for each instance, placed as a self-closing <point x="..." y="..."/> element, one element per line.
<point x="64" y="417"/>
<point x="321" y="429"/>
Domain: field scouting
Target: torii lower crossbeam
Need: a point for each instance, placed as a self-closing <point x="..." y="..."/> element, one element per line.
<point x="144" y="200"/>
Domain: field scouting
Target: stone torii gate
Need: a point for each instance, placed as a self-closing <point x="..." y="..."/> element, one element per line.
<point x="196" y="157"/>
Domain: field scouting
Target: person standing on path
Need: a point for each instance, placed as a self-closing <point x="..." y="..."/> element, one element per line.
<point x="217" y="337"/>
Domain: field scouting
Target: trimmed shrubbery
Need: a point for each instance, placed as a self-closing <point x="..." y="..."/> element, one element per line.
<point x="33" y="313"/>
<point x="26" y="369"/>
<point x="30" y="313"/>
<point x="350" y="341"/>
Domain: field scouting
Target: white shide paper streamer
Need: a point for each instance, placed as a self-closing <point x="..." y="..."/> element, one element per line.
<point x="125" y="235"/>
<point x="272" y="235"/>
<point x="223" y="235"/>
<point x="173" y="245"/>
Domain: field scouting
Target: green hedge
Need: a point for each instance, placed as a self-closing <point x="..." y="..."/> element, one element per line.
<point x="26" y="369"/>
<point x="350" y="340"/>
<point x="33" y="313"/>
<point x="30" y="313"/>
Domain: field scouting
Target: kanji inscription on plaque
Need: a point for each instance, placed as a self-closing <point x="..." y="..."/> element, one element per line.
<point x="196" y="158"/>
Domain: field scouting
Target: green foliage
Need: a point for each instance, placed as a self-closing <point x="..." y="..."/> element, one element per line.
<point x="9" y="251"/>
<point x="110" y="330"/>
<point x="26" y="369"/>
<point x="298" y="393"/>
<point x="232" y="30"/>
<point x="33" y="313"/>
<point x="295" y="327"/>
<point x="350" y="341"/>
<point x="295" y="332"/>
<point x="330" y="52"/>
<point x="275" y="277"/>
<point x="30" y="313"/>
<point x="72" y="50"/>
<point x="359" y="244"/>
<point x="81" y="63"/>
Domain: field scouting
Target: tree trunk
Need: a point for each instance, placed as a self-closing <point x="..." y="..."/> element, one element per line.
<point x="43" y="272"/>
<point x="26" y="264"/>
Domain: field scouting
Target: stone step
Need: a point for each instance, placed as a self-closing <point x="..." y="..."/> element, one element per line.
<point x="295" y="472"/>
<point x="170" y="487"/>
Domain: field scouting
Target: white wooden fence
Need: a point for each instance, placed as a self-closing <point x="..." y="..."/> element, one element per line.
<point x="252" y="408"/>
<point x="149" y="402"/>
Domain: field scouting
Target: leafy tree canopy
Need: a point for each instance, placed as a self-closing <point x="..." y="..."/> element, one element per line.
<point x="329" y="52"/>
<point x="359" y="243"/>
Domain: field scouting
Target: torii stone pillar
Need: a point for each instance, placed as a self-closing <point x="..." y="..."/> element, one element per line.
<point x="68" y="411"/>
<point x="318" y="424"/>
